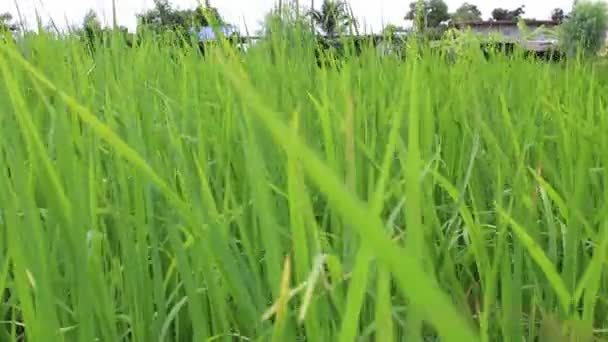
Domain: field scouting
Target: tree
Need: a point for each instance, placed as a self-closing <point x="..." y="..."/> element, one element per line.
<point x="435" y="12"/>
<point x="504" y="14"/>
<point x="93" y="34"/>
<point x="91" y="21"/>
<point x="500" y="14"/>
<point x="392" y="29"/>
<point x="332" y="18"/>
<point x="164" y="17"/>
<point x="204" y="16"/>
<point x="558" y="15"/>
<point x="91" y="27"/>
<point x="467" y="12"/>
<point x="286" y="17"/>
<point x="5" y="22"/>
<point x="584" y="29"/>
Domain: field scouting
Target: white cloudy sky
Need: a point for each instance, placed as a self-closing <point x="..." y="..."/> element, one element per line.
<point x="371" y="13"/>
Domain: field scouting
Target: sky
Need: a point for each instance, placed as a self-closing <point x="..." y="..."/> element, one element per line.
<point x="247" y="14"/>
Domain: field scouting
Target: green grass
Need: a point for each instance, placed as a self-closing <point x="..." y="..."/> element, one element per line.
<point x="150" y="194"/>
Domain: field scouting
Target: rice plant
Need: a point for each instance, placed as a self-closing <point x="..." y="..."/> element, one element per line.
<point x="150" y="193"/>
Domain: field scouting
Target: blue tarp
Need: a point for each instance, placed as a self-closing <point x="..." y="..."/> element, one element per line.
<point x="207" y="33"/>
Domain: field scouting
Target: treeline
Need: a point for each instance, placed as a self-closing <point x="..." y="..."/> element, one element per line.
<point x="585" y="26"/>
<point x="161" y="19"/>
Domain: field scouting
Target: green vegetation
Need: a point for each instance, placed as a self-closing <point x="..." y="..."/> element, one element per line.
<point x="5" y="22"/>
<point x="558" y="14"/>
<point x="585" y="29"/>
<point x="434" y="12"/>
<point x="332" y="19"/>
<point x="467" y="12"/>
<point x="429" y="17"/>
<point x="164" y="17"/>
<point x="510" y="15"/>
<point x="152" y="195"/>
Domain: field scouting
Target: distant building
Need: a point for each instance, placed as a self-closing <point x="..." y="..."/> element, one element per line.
<point x="510" y="32"/>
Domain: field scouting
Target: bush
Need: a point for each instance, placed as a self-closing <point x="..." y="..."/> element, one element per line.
<point x="585" y="29"/>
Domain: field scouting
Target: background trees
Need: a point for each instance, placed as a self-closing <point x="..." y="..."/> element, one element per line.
<point x="511" y="15"/>
<point x="91" y="28"/>
<point x="91" y="22"/>
<point x="284" y="19"/>
<point x="467" y="12"/>
<point x="434" y="13"/>
<point x="6" y="22"/>
<point x="392" y="29"/>
<point x="433" y="17"/>
<point x="332" y="18"/>
<point x="558" y="14"/>
<point x="585" y="28"/>
<point x="164" y="17"/>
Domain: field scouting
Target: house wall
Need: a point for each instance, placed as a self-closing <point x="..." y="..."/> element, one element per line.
<point x="510" y="31"/>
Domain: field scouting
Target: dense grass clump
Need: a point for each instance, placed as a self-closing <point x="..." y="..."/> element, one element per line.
<point x="148" y="193"/>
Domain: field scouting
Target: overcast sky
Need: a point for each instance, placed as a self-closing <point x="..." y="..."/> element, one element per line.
<point x="371" y="13"/>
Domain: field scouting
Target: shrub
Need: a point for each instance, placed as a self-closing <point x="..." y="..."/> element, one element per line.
<point x="585" y="29"/>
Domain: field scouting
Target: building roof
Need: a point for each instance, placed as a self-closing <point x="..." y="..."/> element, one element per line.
<point x="491" y="23"/>
<point x="537" y="43"/>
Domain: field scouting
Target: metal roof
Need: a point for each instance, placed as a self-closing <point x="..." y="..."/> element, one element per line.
<point x="490" y="23"/>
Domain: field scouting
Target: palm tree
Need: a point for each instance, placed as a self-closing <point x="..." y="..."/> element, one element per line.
<point x="332" y="18"/>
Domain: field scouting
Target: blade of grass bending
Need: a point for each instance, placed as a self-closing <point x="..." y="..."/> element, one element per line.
<point x="552" y="193"/>
<point x="384" y="320"/>
<point x="481" y="256"/>
<point x="170" y="318"/>
<point x="411" y="277"/>
<point x="21" y="287"/>
<point x="301" y="215"/>
<point x="541" y="260"/>
<point x="282" y="304"/>
<point x="356" y="292"/>
<point x="310" y="285"/>
<point x="413" y="194"/>
<point x="590" y="282"/>
<point x="356" y="295"/>
<point x="32" y="138"/>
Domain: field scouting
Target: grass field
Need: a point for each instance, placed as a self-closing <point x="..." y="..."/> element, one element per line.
<point x="148" y="194"/>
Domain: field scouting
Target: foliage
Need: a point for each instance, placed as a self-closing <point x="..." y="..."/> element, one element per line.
<point x="163" y="17"/>
<point x="6" y="22"/>
<point x="501" y="14"/>
<point x="93" y="33"/>
<point x="333" y="18"/>
<point x="286" y="16"/>
<point x="91" y="21"/>
<point x="585" y="29"/>
<point x="392" y="29"/>
<point x="149" y="195"/>
<point x="558" y="14"/>
<point x="429" y="18"/>
<point x="285" y="26"/>
<point x="91" y="26"/>
<point x="467" y="12"/>
<point x="434" y="13"/>
<point x="435" y="33"/>
<point x="546" y="32"/>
